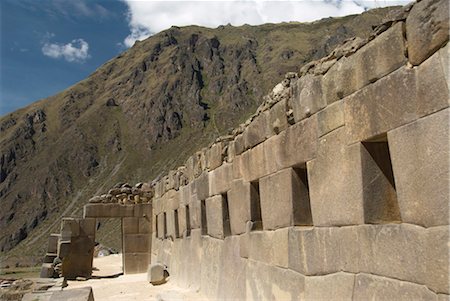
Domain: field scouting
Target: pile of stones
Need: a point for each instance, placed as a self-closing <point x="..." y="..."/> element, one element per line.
<point x="124" y="193"/>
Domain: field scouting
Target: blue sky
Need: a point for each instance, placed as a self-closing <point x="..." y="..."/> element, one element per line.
<point x="49" y="45"/>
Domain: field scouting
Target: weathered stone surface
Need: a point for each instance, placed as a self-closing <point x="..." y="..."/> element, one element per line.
<point x="335" y="182"/>
<point x="202" y="185"/>
<point x="232" y="272"/>
<point x="420" y="159"/>
<point x="239" y="144"/>
<point x="331" y="118"/>
<point x="253" y="164"/>
<point x="427" y="29"/>
<point x="130" y="225"/>
<point x="136" y="243"/>
<point x="87" y="226"/>
<point x="443" y="297"/>
<point x="220" y="179"/>
<point x="156" y="274"/>
<point x="243" y="203"/>
<point x="444" y="54"/>
<point x="217" y="216"/>
<point x="386" y="254"/>
<point x="315" y="251"/>
<point x="244" y="241"/>
<point x="371" y="287"/>
<point x="171" y="225"/>
<point x="256" y="132"/>
<point x="141" y="210"/>
<point x="265" y="282"/>
<point x="270" y="247"/>
<point x="69" y="227"/>
<point x="376" y="59"/>
<point x="437" y="259"/>
<point x="214" y="155"/>
<point x="212" y="252"/>
<point x="307" y="96"/>
<point x="296" y="145"/>
<point x="145" y="225"/>
<point x="135" y="263"/>
<point x="52" y="245"/>
<point x="78" y="263"/>
<point x="337" y="286"/>
<point x="277" y="118"/>
<point x="284" y="200"/>
<point x="195" y="214"/>
<point x="63" y="248"/>
<point x="397" y="99"/>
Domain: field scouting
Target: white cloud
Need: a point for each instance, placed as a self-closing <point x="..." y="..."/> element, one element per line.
<point x="75" y="51"/>
<point x="150" y="16"/>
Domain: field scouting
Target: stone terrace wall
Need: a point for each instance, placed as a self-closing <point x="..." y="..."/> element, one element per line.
<point x="337" y="188"/>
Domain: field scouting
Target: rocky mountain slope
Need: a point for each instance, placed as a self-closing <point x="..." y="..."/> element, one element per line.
<point x="143" y="113"/>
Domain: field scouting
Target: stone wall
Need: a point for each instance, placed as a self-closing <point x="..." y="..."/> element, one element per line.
<point x="336" y="188"/>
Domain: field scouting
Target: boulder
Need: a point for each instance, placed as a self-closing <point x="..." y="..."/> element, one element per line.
<point x="157" y="274"/>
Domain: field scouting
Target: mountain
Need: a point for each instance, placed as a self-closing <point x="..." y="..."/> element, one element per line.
<point x="142" y="113"/>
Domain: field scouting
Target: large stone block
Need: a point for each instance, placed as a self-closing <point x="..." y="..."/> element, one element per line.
<point x="371" y="287"/>
<point x="70" y="227"/>
<point x="172" y="225"/>
<point x="257" y="131"/>
<point x="315" y="251"/>
<point x="136" y="243"/>
<point x="78" y="263"/>
<point x="393" y="250"/>
<point x="284" y="200"/>
<point x="140" y="210"/>
<point x="212" y="251"/>
<point x="296" y="145"/>
<point x="217" y="216"/>
<point x="232" y="284"/>
<point x="47" y="271"/>
<point x="63" y="248"/>
<point x="420" y="160"/>
<point x="130" y="225"/>
<point x="220" y="179"/>
<point x="335" y="182"/>
<point x="331" y="118"/>
<point x="195" y="211"/>
<point x="270" y="247"/>
<point x="252" y="163"/>
<point x="161" y="224"/>
<point x="277" y="118"/>
<point x="215" y="155"/>
<point x="338" y="286"/>
<point x="265" y="282"/>
<point x="156" y="274"/>
<point x="243" y="203"/>
<point x="376" y="59"/>
<point x="109" y="210"/>
<point x="437" y="259"/>
<point x="52" y="246"/>
<point x="307" y="96"/>
<point x="134" y="263"/>
<point x="397" y="99"/>
<point x="182" y="221"/>
<point x="427" y="28"/>
<point x="202" y="185"/>
<point x="239" y="144"/>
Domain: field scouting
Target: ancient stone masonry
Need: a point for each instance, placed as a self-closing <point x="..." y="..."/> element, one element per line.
<point x="336" y="188"/>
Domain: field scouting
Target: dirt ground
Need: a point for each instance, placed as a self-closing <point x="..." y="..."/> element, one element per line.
<point x="106" y="285"/>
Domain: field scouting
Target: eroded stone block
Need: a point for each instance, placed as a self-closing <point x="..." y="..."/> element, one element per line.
<point x="257" y="131"/>
<point x="420" y="159"/>
<point x="52" y="245"/>
<point x="427" y="28"/>
<point x="277" y="118"/>
<point x="214" y="155"/>
<point x="134" y="263"/>
<point x="220" y="179"/>
<point x="130" y="225"/>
